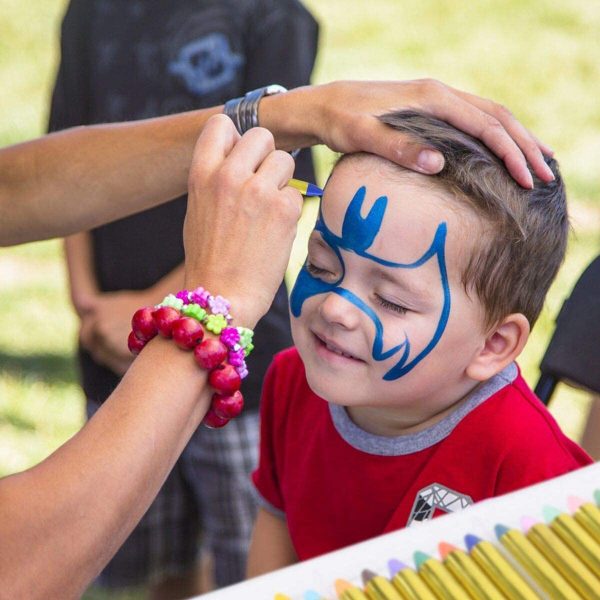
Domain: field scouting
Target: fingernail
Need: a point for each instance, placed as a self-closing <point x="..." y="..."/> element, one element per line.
<point x="430" y="161"/>
<point x="549" y="172"/>
<point x="529" y="181"/>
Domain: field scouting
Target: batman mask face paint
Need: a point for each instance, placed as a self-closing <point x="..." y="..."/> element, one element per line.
<point x="379" y="314"/>
<point x="358" y="234"/>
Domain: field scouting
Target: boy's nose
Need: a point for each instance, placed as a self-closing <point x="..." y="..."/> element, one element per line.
<point x="337" y="310"/>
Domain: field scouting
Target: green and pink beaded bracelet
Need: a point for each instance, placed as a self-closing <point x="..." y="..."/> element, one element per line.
<point x="186" y="317"/>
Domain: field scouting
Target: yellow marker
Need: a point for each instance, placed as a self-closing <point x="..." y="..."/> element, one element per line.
<point x="346" y="591"/>
<point x="411" y="586"/>
<point x="378" y="587"/>
<point x="578" y="540"/>
<point x="535" y="564"/>
<point x="305" y="188"/>
<point x="354" y="594"/>
<point x="499" y="570"/>
<point x="437" y="577"/>
<point x="282" y="597"/>
<point x="588" y="516"/>
<point x="468" y="573"/>
<point x="564" y="561"/>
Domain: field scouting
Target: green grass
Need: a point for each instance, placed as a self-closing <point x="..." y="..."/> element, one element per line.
<point x="539" y="57"/>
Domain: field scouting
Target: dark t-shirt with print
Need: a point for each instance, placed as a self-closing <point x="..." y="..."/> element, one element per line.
<point x="132" y="59"/>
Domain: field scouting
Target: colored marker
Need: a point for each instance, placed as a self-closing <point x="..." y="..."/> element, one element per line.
<point x="437" y="577"/>
<point x="346" y="591"/>
<point x="564" y="561"/>
<point x="394" y="565"/>
<point x="535" y="564"/>
<point x="574" y="502"/>
<point x="282" y="597"/>
<point x="527" y="523"/>
<point x="493" y="563"/>
<point x="468" y="573"/>
<point x="575" y="537"/>
<point x="305" y="188"/>
<point x="597" y="497"/>
<point x="588" y="516"/>
<point x="312" y="595"/>
<point x="378" y="587"/>
<point x="409" y="583"/>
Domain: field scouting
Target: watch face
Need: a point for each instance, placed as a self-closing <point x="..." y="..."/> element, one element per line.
<point x="274" y="88"/>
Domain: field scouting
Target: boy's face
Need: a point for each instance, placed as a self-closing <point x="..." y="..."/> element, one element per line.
<point x="380" y="315"/>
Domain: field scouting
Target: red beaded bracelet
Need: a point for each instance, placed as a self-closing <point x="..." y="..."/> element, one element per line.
<point x="186" y="317"/>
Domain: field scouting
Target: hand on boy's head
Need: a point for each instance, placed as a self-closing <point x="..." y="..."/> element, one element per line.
<point x="241" y="185"/>
<point x="348" y="128"/>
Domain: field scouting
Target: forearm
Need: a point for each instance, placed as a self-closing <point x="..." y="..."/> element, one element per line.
<point x="80" y="178"/>
<point x="271" y="547"/>
<point x="81" y="271"/>
<point x="99" y="484"/>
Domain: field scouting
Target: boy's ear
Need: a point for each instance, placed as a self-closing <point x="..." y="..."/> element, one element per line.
<point x="502" y="345"/>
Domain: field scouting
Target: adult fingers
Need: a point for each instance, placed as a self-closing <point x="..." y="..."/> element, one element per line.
<point x="277" y="167"/>
<point x="347" y="122"/>
<point x="251" y="150"/>
<point x="531" y="147"/>
<point x="215" y="142"/>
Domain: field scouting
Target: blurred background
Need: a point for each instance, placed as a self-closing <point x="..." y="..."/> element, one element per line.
<point x="538" y="57"/>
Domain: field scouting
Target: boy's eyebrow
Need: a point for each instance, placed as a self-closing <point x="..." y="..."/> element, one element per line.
<point x="394" y="276"/>
<point x="317" y="238"/>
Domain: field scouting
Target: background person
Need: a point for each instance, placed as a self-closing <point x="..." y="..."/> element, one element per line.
<point x="131" y="60"/>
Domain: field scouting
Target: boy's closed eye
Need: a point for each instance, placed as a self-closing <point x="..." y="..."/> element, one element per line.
<point x="320" y="272"/>
<point x="391" y="306"/>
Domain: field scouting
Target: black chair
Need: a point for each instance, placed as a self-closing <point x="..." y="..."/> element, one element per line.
<point x="573" y="354"/>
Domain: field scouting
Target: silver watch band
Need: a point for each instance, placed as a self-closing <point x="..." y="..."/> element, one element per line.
<point x="243" y="111"/>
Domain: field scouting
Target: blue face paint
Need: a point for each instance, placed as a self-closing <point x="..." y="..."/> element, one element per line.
<point x="358" y="234"/>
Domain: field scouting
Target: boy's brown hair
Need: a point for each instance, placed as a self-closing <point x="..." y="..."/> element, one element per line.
<point x="525" y="231"/>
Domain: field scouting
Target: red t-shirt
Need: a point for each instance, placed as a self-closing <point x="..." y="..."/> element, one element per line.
<point x="337" y="484"/>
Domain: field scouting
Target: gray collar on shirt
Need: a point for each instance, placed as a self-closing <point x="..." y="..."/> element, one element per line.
<point x="414" y="442"/>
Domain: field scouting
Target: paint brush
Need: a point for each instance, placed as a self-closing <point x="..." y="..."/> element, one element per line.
<point x="305" y="188"/>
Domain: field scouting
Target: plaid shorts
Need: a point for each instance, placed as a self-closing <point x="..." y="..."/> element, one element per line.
<point x="207" y="498"/>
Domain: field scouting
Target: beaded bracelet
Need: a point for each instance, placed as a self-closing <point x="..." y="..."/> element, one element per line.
<point x="184" y="317"/>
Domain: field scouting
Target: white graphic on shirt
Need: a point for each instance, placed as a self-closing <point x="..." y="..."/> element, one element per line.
<point x="437" y="497"/>
<point x="206" y="64"/>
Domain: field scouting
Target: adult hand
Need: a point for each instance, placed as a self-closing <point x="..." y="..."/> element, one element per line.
<point x="104" y="329"/>
<point x="343" y="116"/>
<point x="241" y="218"/>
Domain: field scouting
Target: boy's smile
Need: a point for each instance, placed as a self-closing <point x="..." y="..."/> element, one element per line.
<point x="381" y="318"/>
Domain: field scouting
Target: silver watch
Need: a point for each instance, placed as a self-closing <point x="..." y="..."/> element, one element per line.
<point x="243" y="111"/>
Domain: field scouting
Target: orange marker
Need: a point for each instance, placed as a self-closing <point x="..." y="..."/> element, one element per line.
<point x="346" y="591"/>
<point x="466" y="571"/>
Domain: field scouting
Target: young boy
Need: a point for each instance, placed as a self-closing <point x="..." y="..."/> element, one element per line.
<point x="401" y="399"/>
